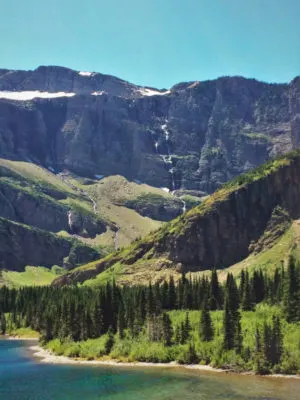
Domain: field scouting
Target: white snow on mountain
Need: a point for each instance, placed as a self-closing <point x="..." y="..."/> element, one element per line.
<point x="85" y="73"/>
<point x="98" y="93"/>
<point x="29" y="95"/>
<point x="151" y="92"/>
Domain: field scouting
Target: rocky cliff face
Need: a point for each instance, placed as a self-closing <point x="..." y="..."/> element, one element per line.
<point x="196" y="135"/>
<point x="33" y="204"/>
<point x="221" y="231"/>
<point x="22" y="245"/>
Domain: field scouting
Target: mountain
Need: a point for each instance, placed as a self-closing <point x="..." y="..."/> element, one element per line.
<point x="194" y="136"/>
<point x="93" y="161"/>
<point x="246" y="216"/>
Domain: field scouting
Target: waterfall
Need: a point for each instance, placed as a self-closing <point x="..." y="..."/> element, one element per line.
<point x="70" y="220"/>
<point x="168" y="157"/>
<point x="183" y="206"/>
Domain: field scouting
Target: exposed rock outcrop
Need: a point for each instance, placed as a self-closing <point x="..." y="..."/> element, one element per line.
<point x="224" y="228"/>
<point x="32" y="207"/>
<point x="196" y="136"/>
<point x="22" y="245"/>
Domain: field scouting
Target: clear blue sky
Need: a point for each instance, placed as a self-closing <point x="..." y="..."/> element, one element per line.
<point x="155" y="42"/>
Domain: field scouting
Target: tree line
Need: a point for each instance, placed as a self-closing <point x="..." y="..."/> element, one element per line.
<point x="82" y="313"/>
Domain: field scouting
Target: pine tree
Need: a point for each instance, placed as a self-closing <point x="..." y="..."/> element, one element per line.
<point x="121" y="320"/>
<point x="109" y="341"/>
<point x="191" y="356"/>
<point x="183" y="333"/>
<point x="258" y="356"/>
<point x="258" y="284"/>
<point x="151" y="306"/>
<point x="97" y="320"/>
<point x="292" y="293"/>
<point x="187" y="325"/>
<point x="231" y="322"/>
<point x="178" y="334"/>
<point x="267" y="339"/>
<point x="206" y="328"/>
<point x="172" y="294"/>
<point x="167" y="330"/>
<point x="238" y="338"/>
<point x="246" y="302"/>
<point x="2" y="323"/>
<point x="215" y="292"/>
<point x="276" y="342"/>
<point x="228" y="342"/>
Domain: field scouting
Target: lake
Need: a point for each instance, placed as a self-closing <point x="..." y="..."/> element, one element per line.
<point x="23" y="377"/>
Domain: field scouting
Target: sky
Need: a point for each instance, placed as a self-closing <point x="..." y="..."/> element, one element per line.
<point x="155" y="42"/>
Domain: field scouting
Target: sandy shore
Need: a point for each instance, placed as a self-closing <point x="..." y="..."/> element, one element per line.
<point x="16" y="337"/>
<point x="21" y="338"/>
<point x="47" y="357"/>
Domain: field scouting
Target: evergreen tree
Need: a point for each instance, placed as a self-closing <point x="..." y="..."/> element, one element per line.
<point x="151" y="306"/>
<point x="97" y="320"/>
<point x="258" y="284"/>
<point x="187" y="325"/>
<point x="167" y="330"/>
<point x="178" y="334"/>
<point x="292" y="293"/>
<point x="228" y="342"/>
<point x="231" y="321"/>
<point x="215" y="292"/>
<point x="246" y="294"/>
<point x="276" y="342"/>
<point x="191" y="356"/>
<point x="109" y="341"/>
<point x="206" y="328"/>
<point x="172" y="295"/>
<point x="2" y="323"/>
<point x="121" y="320"/>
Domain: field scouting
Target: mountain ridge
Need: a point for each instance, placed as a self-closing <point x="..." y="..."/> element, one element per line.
<point x="195" y="136"/>
<point x="219" y="232"/>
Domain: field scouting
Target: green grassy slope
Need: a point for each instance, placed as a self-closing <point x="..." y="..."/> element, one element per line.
<point x="113" y="196"/>
<point x="141" y="262"/>
<point x="32" y="276"/>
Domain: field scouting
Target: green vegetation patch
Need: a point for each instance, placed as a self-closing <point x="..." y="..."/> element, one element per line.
<point x="32" y="276"/>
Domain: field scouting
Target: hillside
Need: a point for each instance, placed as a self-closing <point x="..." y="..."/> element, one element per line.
<point x="73" y="209"/>
<point x="247" y="215"/>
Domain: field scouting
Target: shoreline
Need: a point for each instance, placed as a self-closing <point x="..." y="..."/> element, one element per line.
<point x="34" y="339"/>
<point x="47" y="357"/>
<point x="17" y="337"/>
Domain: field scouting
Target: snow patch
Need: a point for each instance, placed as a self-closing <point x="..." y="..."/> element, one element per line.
<point x="165" y="189"/>
<point x="51" y="169"/>
<point x="29" y="95"/>
<point x="99" y="176"/>
<point x="85" y="73"/>
<point x="98" y="93"/>
<point x="151" y="92"/>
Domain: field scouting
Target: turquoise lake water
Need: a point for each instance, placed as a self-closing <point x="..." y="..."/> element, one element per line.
<point x="24" y="378"/>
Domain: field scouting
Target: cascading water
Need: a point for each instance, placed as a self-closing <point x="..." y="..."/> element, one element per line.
<point x="70" y="220"/>
<point x="183" y="206"/>
<point x="168" y="157"/>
